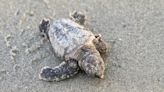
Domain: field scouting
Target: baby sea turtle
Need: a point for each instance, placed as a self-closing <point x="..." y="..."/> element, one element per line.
<point x="78" y="47"/>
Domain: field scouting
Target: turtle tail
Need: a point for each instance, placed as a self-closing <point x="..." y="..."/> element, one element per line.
<point x="63" y="71"/>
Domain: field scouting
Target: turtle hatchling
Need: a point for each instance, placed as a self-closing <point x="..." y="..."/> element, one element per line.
<point x="80" y="49"/>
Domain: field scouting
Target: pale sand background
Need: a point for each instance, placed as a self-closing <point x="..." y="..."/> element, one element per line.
<point x="135" y="29"/>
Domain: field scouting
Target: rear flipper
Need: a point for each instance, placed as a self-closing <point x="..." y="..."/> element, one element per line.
<point x="44" y="28"/>
<point x="78" y="17"/>
<point x="64" y="71"/>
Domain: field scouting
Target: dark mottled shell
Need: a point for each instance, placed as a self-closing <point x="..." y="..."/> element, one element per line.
<point x="66" y="36"/>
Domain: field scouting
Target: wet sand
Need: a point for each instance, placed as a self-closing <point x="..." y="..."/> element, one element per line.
<point x="134" y="29"/>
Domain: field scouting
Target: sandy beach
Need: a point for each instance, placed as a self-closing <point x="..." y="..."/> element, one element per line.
<point x="134" y="30"/>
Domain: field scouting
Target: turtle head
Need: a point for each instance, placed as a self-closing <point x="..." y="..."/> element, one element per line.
<point x="44" y="27"/>
<point x="92" y="62"/>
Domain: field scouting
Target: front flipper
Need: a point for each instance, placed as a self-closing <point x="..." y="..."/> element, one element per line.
<point x="64" y="71"/>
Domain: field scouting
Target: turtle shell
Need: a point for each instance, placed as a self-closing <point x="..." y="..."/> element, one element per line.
<point x="66" y="36"/>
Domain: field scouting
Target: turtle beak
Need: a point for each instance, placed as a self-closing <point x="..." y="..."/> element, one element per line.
<point x="102" y="77"/>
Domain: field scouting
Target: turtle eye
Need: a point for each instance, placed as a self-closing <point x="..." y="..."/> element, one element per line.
<point x="96" y="36"/>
